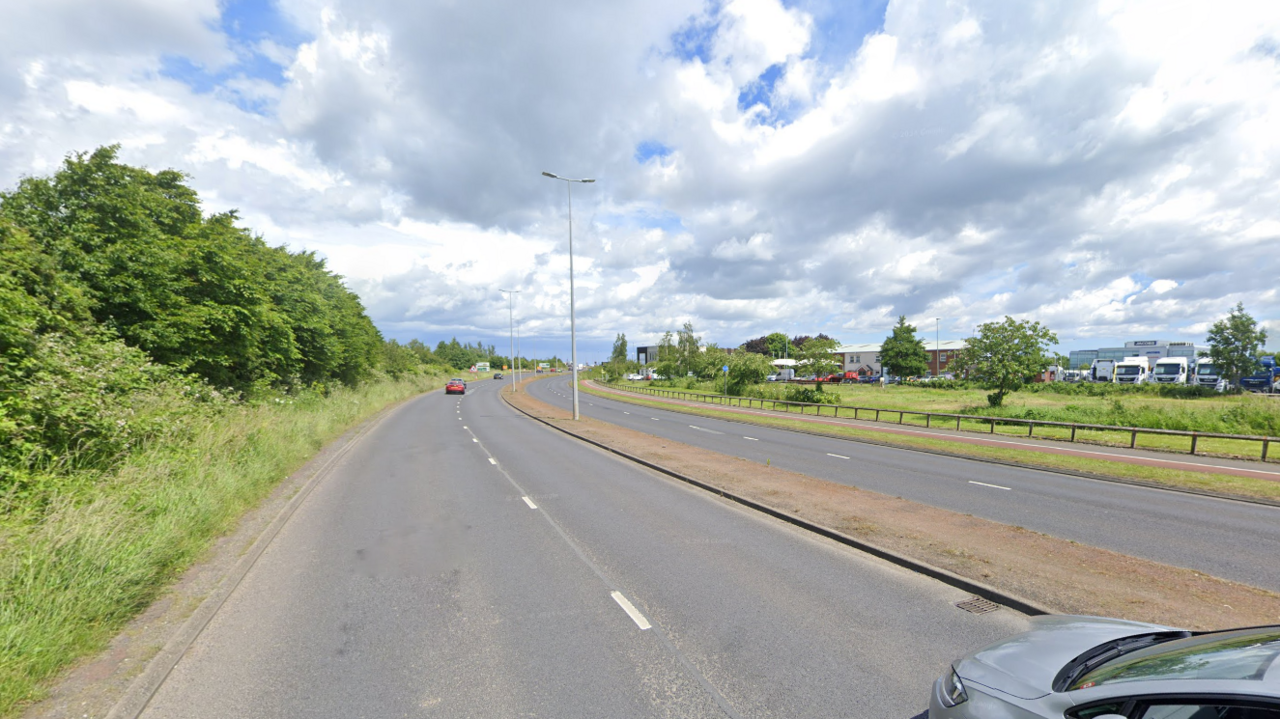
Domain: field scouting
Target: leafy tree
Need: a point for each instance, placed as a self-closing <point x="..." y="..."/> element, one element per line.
<point x="688" y="350"/>
<point x="1004" y="355"/>
<point x="903" y="354"/>
<point x="619" y="353"/>
<point x="667" y="364"/>
<point x="779" y="345"/>
<point x="815" y="356"/>
<point x="1235" y="343"/>
<point x="710" y="361"/>
<point x="759" y="345"/>
<point x="747" y="369"/>
<point x="198" y="294"/>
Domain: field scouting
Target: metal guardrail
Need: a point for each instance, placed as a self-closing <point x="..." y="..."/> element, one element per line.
<point x="901" y="414"/>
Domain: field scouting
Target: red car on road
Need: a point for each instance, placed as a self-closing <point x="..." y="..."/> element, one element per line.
<point x="455" y="386"/>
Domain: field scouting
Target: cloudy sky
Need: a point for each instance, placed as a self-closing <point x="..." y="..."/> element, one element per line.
<point x="1108" y="168"/>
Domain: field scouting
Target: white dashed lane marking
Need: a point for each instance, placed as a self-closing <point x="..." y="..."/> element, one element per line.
<point x="837" y="456"/>
<point x="753" y="439"/>
<point x="631" y="611"/>
<point x="529" y="502"/>
<point x="492" y="460"/>
<point x="984" y="484"/>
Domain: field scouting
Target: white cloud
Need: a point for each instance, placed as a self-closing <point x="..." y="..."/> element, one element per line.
<point x="969" y="159"/>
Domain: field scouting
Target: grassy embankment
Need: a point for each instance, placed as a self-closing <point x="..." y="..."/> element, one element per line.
<point x="76" y="570"/>
<point x="1246" y="414"/>
<point x="903" y="399"/>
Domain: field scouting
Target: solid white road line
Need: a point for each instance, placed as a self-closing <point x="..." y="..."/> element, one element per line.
<point x="753" y="439"/>
<point x="984" y="484"/>
<point x="492" y="460"/>
<point x="631" y="611"/>
<point x="529" y="502"/>
<point x="837" y="456"/>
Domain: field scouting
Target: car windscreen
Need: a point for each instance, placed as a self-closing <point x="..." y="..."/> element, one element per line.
<point x="1234" y="655"/>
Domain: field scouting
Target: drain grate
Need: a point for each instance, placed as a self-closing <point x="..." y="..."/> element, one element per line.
<point x="978" y="605"/>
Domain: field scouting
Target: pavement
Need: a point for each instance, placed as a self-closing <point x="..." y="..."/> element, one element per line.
<point x="462" y="560"/>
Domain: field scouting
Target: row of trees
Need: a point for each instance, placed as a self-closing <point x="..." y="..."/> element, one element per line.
<point x="125" y="312"/>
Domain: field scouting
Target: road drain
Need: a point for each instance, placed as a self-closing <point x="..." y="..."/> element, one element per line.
<point x="978" y="605"/>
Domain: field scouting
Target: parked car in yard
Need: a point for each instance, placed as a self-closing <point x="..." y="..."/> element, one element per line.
<point x="1068" y="667"/>
<point x="456" y="386"/>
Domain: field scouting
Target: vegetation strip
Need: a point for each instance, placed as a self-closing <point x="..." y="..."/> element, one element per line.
<point x="1238" y="488"/>
<point x="1055" y="574"/>
<point x="157" y="670"/>
<point x="72" y="577"/>
<point x="985" y="591"/>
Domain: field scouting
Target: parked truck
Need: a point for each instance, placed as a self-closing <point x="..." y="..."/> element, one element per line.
<point x="1132" y="370"/>
<point x="1172" y="370"/>
<point x="1102" y="370"/>
<point x="1263" y="380"/>
<point x="1207" y="374"/>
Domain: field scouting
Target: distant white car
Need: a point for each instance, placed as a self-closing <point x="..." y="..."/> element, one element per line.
<point x="633" y="377"/>
<point x="771" y="378"/>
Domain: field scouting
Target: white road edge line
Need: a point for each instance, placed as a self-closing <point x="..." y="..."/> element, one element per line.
<point x="529" y="502"/>
<point x="993" y="486"/>
<point x="631" y="611"/>
<point x="837" y="456"/>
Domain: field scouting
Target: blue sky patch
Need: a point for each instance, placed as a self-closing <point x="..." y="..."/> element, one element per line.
<point x="651" y="148"/>
<point x="246" y="23"/>
<point x="760" y="90"/>
<point x="694" y="39"/>
<point x="645" y="219"/>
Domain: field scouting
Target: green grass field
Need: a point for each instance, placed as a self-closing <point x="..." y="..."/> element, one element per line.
<point x="74" y="574"/>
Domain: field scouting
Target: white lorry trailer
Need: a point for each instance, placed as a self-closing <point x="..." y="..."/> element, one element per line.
<point x="1132" y="370"/>
<point x="1171" y="370"/>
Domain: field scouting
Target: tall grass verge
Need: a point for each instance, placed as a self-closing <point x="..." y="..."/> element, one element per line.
<point x="93" y="556"/>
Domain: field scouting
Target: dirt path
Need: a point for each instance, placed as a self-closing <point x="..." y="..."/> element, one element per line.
<point x="1058" y="574"/>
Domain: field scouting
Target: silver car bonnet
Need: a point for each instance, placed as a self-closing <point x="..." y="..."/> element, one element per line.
<point x="1025" y="665"/>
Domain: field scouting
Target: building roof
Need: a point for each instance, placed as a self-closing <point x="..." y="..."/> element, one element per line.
<point x="944" y="345"/>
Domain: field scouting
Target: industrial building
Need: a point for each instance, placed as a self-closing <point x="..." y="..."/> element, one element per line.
<point x="1151" y="349"/>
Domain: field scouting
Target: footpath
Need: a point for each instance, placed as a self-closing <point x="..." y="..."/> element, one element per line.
<point x="1163" y="460"/>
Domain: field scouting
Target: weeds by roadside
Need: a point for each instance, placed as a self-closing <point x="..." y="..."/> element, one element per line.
<point x="98" y="552"/>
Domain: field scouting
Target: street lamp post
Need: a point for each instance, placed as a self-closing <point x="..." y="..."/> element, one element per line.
<point x="573" y="330"/>
<point x="511" y="323"/>
<point x="937" y="348"/>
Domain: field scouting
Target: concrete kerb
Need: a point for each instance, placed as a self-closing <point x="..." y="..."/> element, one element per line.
<point x="1013" y="601"/>
<point x="144" y="687"/>
<point x="990" y="460"/>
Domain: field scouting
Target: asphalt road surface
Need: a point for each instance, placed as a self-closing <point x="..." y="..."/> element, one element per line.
<point x="1224" y="538"/>
<point x="465" y="561"/>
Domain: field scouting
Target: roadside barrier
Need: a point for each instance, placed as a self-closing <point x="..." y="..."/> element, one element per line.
<point x="899" y="416"/>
